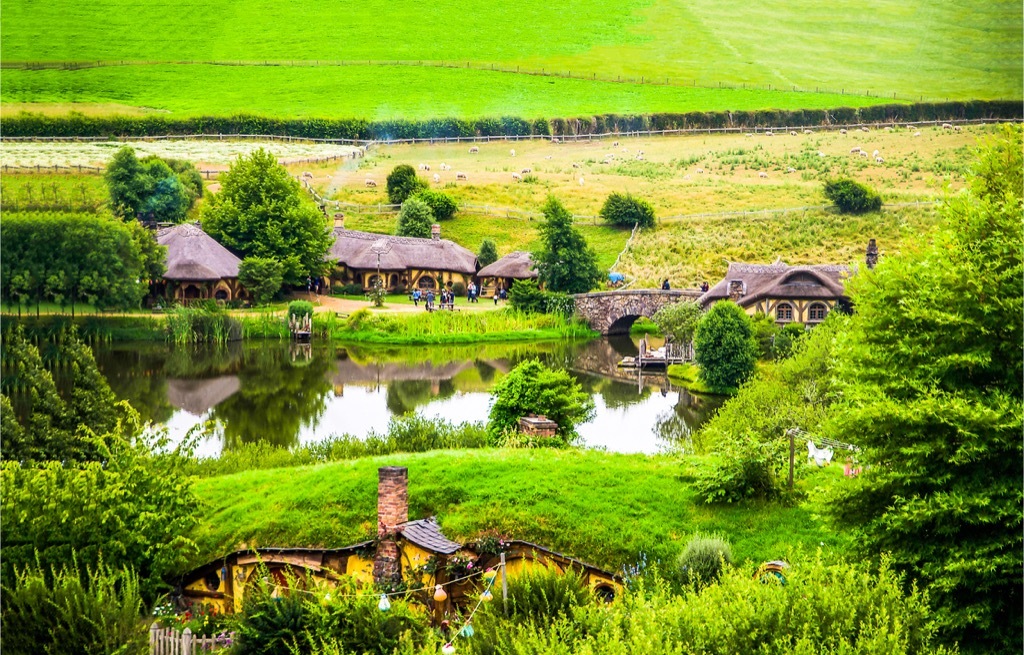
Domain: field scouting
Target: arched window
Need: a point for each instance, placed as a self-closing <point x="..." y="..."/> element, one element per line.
<point x="784" y="312"/>
<point x="394" y="280"/>
<point x="371" y="281"/>
<point x="605" y="592"/>
<point x="221" y="294"/>
<point x="427" y="282"/>
<point x="817" y="312"/>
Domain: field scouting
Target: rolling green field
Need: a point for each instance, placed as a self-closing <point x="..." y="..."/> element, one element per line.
<point x="912" y="49"/>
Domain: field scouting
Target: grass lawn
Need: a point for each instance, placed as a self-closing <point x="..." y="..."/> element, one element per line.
<point x="917" y="48"/>
<point x="602" y="507"/>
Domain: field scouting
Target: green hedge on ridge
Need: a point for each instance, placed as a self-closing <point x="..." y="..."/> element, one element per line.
<point x="27" y="124"/>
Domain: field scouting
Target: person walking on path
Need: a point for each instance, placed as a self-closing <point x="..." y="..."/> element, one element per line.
<point x="416" y="297"/>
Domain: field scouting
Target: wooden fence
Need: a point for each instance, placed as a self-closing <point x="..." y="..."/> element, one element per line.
<point x="168" y="641"/>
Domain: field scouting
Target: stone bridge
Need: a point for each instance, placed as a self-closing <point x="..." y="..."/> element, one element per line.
<point x="614" y="312"/>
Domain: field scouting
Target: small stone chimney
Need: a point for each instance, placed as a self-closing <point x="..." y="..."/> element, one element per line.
<point x="339" y="221"/>
<point x="537" y="426"/>
<point x="871" y="254"/>
<point x="435" y="232"/>
<point x="392" y="511"/>
<point x="736" y="290"/>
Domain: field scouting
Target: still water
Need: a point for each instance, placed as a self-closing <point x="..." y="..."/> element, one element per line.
<point x="291" y="394"/>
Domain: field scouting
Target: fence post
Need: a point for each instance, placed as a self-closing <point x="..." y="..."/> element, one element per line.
<point x="504" y="585"/>
<point x="153" y="637"/>
<point x="186" y="641"/>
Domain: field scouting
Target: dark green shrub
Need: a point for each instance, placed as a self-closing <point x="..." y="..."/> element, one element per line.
<point x="300" y="308"/>
<point x="852" y="197"/>
<point x="350" y="289"/>
<point x="526" y="296"/>
<point x="745" y="468"/>
<point x="625" y="210"/>
<point x="764" y="329"/>
<point x="442" y="206"/>
<point x="725" y="348"/>
<point x="703" y="560"/>
<point x="63" y="611"/>
<point x="262" y="277"/>
<point x="786" y="339"/>
<point x="415" y="219"/>
<point x="403" y="183"/>
<point x="488" y="253"/>
<point x="269" y="624"/>
<point x="532" y="387"/>
<point x="459" y="289"/>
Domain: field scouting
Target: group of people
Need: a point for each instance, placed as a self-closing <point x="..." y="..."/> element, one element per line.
<point x="446" y="298"/>
<point x="314" y="284"/>
<point x="473" y="293"/>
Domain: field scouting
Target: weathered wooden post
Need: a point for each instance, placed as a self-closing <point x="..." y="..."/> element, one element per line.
<point x="153" y="636"/>
<point x="504" y="586"/>
<point x="186" y="641"/>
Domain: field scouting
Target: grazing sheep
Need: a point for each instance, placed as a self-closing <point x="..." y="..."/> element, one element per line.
<point x="842" y="131"/>
<point x="874" y="154"/>
<point x="792" y="133"/>
<point x="526" y="171"/>
<point x="615" y="144"/>
<point x="957" y="128"/>
<point x="474" y="150"/>
<point x="512" y="152"/>
<point x="581" y="180"/>
<point x="461" y="176"/>
<point x="854" y="151"/>
<point x="548" y="157"/>
<point x="821" y="154"/>
<point x="879" y="160"/>
<point x="863" y="153"/>
<point x="517" y="177"/>
<point x="768" y="133"/>
<point x="639" y="156"/>
<point x="371" y="183"/>
<point x="762" y="174"/>
<point x="808" y="132"/>
<point x="700" y="171"/>
<point x="437" y="178"/>
<point x="423" y="167"/>
<point x="445" y="167"/>
<point x="917" y="134"/>
<point x="554" y="140"/>
<point x="750" y="134"/>
<point x="790" y="170"/>
<point x="307" y="175"/>
<point x="575" y="165"/>
<point x="888" y="128"/>
<point x="864" y="129"/>
<point x="947" y="126"/>
<point x="686" y="177"/>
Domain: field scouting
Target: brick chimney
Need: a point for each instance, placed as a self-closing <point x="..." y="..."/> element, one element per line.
<point x="736" y="290"/>
<point x="339" y="221"/>
<point x="871" y="254"/>
<point x="392" y="510"/>
<point x="435" y="232"/>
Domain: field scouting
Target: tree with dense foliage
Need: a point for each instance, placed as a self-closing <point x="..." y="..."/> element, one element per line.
<point x="415" y="219"/>
<point x="564" y="261"/>
<point x="625" y="210"/>
<point x="403" y="183"/>
<point x="260" y="212"/>
<point x="262" y="276"/>
<point x="932" y="377"/>
<point x="71" y="258"/>
<point x="852" y="197"/>
<point x="725" y="346"/>
<point x="679" y="320"/>
<point x="442" y="206"/>
<point x="488" y="253"/>
<point x="533" y="388"/>
<point x="151" y="188"/>
<point x="526" y="296"/>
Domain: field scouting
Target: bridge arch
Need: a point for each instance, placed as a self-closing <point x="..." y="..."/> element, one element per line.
<point x="614" y="312"/>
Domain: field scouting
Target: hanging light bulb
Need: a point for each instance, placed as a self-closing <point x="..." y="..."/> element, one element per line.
<point x="486" y="596"/>
<point x="439" y="594"/>
<point x="467" y="631"/>
<point x="448" y="649"/>
<point x="384" y="604"/>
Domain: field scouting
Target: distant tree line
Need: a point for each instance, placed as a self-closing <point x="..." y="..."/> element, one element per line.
<point x="75" y="124"/>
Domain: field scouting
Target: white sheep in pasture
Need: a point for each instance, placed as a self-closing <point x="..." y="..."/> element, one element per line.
<point x="875" y="153"/>
<point x="517" y="177"/>
<point x="423" y="167"/>
<point x="750" y="134"/>
<point x="554" y="140"/>
<point x="917" y="134"/>
<point x="575" y="165"/>
<point x="371" y="183"/>
<point x="437" y="178"/>
<point x="307" y="175"/>
<point x="639" y="156"/>
<point x="615" y="144"/>
<point x="879" y="160"/>
<point x="762" y="174"/>
<point x="808" y="132"/>
<point x="888" y="128"/>
<point x="863" y="153"/>
<point x="957" y="128"/>
<point x="864" y="129"/>
<point x="947" y="126"/>
<point x="686" y="177"/>
<point x="548" y="157"/>
<point x="581" y="180"/>
<point x="768" y="133"/>
<point x="474" y="150"/>
<point x="461" y="176"/>
<point x="821" y="154"/>
<point x="792" y="133"/>
<point x="854" y="150"/>
<point x="842" y="131"/>
<point x="700" y="171"/>
<point x="790" y="170"/>
<point x="445" y="167"/>
<point x="526" y="171"/>
<point x="512" y="152"/>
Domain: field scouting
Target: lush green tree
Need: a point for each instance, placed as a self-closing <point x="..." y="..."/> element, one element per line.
<point x="625" y="210"/>
<point x="69" y="258"/>
<point x="152" y="187"/>
<point x="679" y="320"/>
<point x="488" y="253"/>
<point x="533" y="388"/>
<point x="153" y="256"/>
<point x="852" y="197"/>
<point x="526" y="296"/>
<point x="404" y="183"/>
<point x="415" y="219"/>
<point x="932" y="377"/>
<point x="564" y="261"/>
<point x="724" y="346"/>
<point x="259" y="212"/>
<point x="262" y="276"/>
<point x="442" y="206"/>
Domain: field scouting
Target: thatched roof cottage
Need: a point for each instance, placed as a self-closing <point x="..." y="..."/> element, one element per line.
<point x="514" y="266"/>
<point x="403" y="262"/>
<point x="197" y="266"/>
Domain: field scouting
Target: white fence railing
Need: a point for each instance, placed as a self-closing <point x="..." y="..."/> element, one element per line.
<point x="168" y="641"/>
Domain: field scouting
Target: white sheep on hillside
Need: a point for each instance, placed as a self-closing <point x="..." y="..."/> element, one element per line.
<point x="581" y="180"/>
<point x="917" y="134"/>
<point x="371" y="183"/>
<point x="437" y="178"/>
<point x="821" y="154"/>
<point x="792" y="133"/>
<point x="808" y="132"/>
<point x="575" y="165"/>
<point x="461" y="176"/>
<point x="517" y="177"/>
<point x="445" y="167"/>
<point x="842" y="131"/>
<point x="790" y="170"/>
<point x="947" y="126"/>
<point x="879" y="160"/>
<point x="474" y="150"/>
<point x="762" y="174"/>
<point x="526" y="171"/>
<point x="700" y="171"/>
<point x="512" y="152"/>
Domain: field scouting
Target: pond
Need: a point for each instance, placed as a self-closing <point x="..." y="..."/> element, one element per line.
<point x="290" y="394"/>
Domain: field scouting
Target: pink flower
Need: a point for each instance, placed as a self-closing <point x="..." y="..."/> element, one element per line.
<point x="470" y="565"/>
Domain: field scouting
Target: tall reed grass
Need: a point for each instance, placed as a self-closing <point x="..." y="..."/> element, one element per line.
<point x="189" y="325"/>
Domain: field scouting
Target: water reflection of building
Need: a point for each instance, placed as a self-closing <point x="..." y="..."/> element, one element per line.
<point x="199" y="396"/>
<point x="348" y="371"/>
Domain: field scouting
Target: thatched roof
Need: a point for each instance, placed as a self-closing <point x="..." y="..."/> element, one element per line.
<point x="353" y="249"/>
<point x="759" y="281"/>
<point x="193" y="255"/>
<point x="517" y="265"/>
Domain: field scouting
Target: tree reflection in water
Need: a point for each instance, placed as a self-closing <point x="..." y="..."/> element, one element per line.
<point x="676" y="427"/>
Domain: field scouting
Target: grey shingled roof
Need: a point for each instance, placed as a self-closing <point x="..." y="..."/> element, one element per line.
<point x="426" y="533"/>
<point x="194" y="255"/>
<point x="352" y="249"/>
<point x="517" y="265"/>
<point x="822" y="281"/>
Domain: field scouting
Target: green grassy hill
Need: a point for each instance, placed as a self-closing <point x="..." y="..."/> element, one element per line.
<point x="602" y="507"/>
<point x="907" y="48"/>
